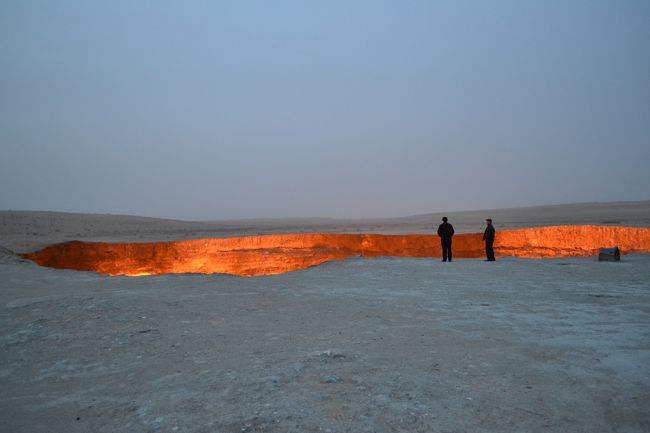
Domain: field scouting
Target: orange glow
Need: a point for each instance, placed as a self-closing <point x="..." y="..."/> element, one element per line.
<point x="276" y="254"/>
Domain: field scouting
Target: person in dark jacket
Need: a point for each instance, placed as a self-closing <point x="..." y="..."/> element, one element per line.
<point x="488" y="237"/>
<point x="445" y="231"/>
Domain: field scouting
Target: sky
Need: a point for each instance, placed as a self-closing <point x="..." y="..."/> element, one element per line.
<point x="257" y="109"/>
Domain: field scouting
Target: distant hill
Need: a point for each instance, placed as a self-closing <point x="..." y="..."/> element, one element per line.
<point x="632" y="213"/>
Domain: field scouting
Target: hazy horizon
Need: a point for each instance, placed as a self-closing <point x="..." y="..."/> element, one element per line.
<point x="363" y="109"/>
<point x="319" y="217"/>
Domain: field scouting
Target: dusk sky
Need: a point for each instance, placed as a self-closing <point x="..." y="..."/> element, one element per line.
<point x="245" y="109"/>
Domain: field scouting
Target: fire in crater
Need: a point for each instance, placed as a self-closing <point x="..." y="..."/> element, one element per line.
<point x="276" y="254"/>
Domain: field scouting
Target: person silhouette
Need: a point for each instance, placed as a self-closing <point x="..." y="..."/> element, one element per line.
<point x="445" y="231"/>
<point x="488" y="237"/>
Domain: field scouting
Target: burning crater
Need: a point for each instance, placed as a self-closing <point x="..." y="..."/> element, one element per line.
<point x="276" y="254"/>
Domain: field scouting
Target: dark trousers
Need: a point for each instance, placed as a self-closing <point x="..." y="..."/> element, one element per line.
<point x="489" y="250"/>
<point x="446" y="248"/>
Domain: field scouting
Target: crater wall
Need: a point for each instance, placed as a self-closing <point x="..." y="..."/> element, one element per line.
<point x="275" y="254"/>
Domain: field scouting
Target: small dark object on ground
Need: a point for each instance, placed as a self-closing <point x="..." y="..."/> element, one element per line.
<point x="609" y="255"/>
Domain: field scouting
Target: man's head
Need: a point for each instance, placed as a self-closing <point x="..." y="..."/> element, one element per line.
<point x="444" y="219"/>
<point x="488" y="220"/>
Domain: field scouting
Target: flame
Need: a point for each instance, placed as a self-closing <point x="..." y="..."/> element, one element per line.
<point x="276" y="254"/>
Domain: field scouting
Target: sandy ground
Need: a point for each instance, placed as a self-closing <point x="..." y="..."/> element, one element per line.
<point x="383" y="345"/>
<point x="386" y="345"/>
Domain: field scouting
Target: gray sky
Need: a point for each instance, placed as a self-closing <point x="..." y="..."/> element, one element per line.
<point x="212" y="110"/>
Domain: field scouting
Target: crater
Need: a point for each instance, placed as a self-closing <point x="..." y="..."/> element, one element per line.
<point x="276" y="254"/>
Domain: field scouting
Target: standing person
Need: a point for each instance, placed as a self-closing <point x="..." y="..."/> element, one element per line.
<point x="445" y="231"/>
<point x="488" y="237"/>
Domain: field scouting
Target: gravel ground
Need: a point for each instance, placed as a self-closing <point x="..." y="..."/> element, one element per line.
<point x="383" y="345"/>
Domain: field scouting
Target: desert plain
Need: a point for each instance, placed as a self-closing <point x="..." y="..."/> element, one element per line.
<point x="388" y="344"/>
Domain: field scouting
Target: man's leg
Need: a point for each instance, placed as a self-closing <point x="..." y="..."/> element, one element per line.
<point x="489" y="250"/>
<point x="444" y="250"/>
